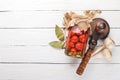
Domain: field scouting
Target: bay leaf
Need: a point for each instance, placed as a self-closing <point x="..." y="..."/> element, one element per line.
<point x="57" y="44"/>
<point x="59" y="33"/>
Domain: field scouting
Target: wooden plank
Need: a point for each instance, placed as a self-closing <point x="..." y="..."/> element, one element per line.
<point x="58" y="72"/>
<point x="45" y="54"/>
<point x="36" y="37"/>
<point x="59" y="5"/>
<point x="46" y="19"/>
<point x="26" y="28"/>
<point x="31" y="45"/>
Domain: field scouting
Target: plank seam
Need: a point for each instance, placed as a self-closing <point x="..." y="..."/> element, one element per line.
<point x="47" y="63"/>
<point x="41" y="28"/>
<point x="32" y="45"/>
<point x="46" y="10"/>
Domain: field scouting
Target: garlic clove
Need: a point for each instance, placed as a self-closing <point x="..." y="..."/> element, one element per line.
<point x="108" y="42"/>
<point x="107" y="54"/>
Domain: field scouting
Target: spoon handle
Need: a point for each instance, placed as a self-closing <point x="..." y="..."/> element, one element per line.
<point x="84" y="62"/>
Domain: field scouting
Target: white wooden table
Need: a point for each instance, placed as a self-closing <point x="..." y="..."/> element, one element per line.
<point x="26" y="28"/>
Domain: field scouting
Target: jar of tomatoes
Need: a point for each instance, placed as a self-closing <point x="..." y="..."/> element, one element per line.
<point x="76" y="41"/>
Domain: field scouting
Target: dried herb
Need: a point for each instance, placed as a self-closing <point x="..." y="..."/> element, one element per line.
<point x="57" y="44"/>
<point x="59" y="33"/>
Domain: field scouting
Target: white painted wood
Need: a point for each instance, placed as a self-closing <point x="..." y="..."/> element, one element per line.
<point x="38" y="19"/>
<point x="25" y="53"/>
<point x="59" y="4"/>
<point x="36" y="37"/>
<point x="58" y="72"/>
<point x="46" y="54"/>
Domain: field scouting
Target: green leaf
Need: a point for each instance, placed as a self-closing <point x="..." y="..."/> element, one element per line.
<point x="59" y="33"/>
<point x="57" y="44"/>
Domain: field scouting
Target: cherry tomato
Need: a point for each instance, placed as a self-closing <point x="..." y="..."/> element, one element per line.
<point x="74" y="38"/>
<point x="73" y="50"/>
<point x="71" y="33"/>
<point x="71" y="44"/>
<point x="79" y="46"/>
<point x="82" y="38"/>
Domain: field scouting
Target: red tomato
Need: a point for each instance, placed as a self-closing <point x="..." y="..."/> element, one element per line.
<point x="79" y="46"/>
<point x="82" y="38"/>
<point x="74" y="39"/>
<point x="73" y="50"/>
<point x="71" y="44"/>
<point x="71" y="33"/>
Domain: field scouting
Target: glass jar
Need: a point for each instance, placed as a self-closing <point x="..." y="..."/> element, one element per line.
<point x="76" y="41"/>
